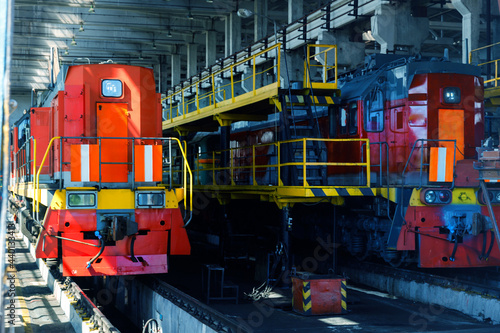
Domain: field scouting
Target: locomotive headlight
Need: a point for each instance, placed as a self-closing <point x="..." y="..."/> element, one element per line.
<point x="81" y="199"/>
<point x="150" y="199"/>
<point x="436" y="196"/>
<point x="111" y="88"/>
<point x="451" y="95"/>
<point x="444" y="196"/>
<point x="493" y="195"/>
<point x="430" y="197"/>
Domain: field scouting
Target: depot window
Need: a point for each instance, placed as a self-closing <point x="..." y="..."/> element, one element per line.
<point x="111" y="88"/>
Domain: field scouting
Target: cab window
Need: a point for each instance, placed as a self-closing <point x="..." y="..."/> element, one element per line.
<point x="353" y="118"/>
<point x="343" y="120"/>
<point x="374" y="111"/>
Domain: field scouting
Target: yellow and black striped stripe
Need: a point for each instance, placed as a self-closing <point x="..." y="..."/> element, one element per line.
<point x="306" y="298"/>
<point x="317" y="100"/>
<point x="343" y="192"/>
<point x="343" y="291"/>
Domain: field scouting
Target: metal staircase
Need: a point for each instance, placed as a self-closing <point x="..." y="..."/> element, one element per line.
<point x="299" y="120"/>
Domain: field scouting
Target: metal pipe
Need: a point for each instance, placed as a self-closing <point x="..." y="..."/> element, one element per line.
<point x="490" y="211"/>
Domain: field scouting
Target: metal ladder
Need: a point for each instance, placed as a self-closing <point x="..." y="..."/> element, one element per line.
<point x="489" y="172"/>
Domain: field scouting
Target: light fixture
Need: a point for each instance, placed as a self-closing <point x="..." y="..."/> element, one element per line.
<point x="92" y="7"/>
<point x="81" y="28"/>
<point x="190" y="15"/>
<point x="140" y="56"/>
<point x="244" y="13"/>
<point x="169" y="33"/>
<point x="66" y="52"/>
<point x="154" y="45"/>
<point x="73" y="41"/>
<point x="210" y="1"/>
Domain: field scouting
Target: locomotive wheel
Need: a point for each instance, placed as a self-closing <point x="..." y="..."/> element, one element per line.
<point x="393" y="257"/>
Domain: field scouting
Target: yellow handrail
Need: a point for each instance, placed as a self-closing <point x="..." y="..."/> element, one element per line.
<point x="231" y="70"/>
<point x="324" y="66"/>
<point x="253" y="166"/>
<point x="186" y="166"/>
<point x="495" y="78"/>
<point x="37" y="177"/>
<point x="35" y="195"/>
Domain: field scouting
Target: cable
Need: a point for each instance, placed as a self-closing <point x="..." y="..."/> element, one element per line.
<point x="134" y="259"/>
<point x="89" y="263"/>
<point x="491" y="245"/>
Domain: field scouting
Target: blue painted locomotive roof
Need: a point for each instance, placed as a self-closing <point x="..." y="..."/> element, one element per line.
<point x="376" y="72"/>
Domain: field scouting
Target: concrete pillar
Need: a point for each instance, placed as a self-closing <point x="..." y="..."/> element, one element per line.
<point x="234" y="33"/>
<point x="291" y="68"/>
<point x="225" y="139"/>
<point x="349" y="54"/>
<point x="295" y="10"/>
<point x="394" y="25"/>
<point x="227" y="36"/>
<point x="470" y="10"/>
<point x="286" y="226"/>
<point x="176" y="69"/>
<point x="495" y="28"/>
<point x="260" y="21"/>
<point x="163" y="77"/>
<point x="211" y="48"/>
<point x="192" y="60"/>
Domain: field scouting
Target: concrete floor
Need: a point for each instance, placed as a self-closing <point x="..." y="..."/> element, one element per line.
<point x="369" y="311"/>
<point x="36" y="308"/>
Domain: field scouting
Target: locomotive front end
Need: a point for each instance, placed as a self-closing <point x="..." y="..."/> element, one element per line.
<point x="98" y="197"/>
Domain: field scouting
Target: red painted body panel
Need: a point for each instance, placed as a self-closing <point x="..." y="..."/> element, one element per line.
<point x="41" y="129"/>
<point x="120" y="265"/>
<point x="435" y="249"/>
<point x="157" y="227"/>
<point x="75" y="110"/>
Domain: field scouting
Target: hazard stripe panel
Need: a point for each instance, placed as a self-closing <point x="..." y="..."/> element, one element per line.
<point x="441" y="164"/>
<point x="343" y="291"/>
<point x="299" y="99"/>
<point x="342" y="192"/>
<point x="306" y="298"/>
<point x="148" y="163"/>
<point x="84" y="163"/>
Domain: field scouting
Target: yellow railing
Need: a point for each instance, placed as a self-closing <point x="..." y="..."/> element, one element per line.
<point x="255" y="160"/>
<point x="187" y="168"/>
<point x="179" y="102"/>
<point x="187" y="180"/>
<point x="319" y="60"/>
<point x="36" y="195"/>
<point x="494" y="62"/>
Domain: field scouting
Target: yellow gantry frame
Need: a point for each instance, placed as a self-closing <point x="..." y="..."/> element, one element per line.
<point x="180" y="109"/>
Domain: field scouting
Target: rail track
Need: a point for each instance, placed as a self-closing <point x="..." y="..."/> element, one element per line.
<point x="481" y="281"/>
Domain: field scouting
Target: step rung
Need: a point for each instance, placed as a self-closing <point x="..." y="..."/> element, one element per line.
<point x="301" y="127"/>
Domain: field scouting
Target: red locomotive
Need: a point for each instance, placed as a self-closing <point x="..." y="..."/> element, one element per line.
<point x="396" y="155"/>
<point x="428" y="119"/>
<point x="87" y="172"/>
